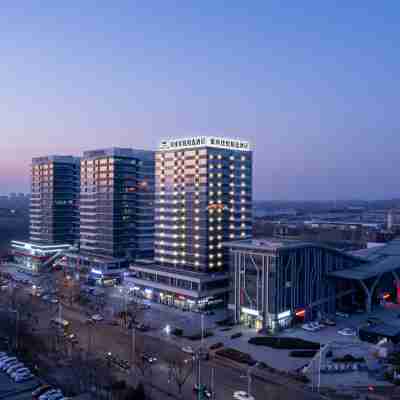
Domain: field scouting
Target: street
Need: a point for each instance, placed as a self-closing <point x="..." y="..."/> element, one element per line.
<point x="101" y="337"/>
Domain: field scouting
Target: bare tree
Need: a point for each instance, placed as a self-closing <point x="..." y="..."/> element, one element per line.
<point x="179" y="371"/>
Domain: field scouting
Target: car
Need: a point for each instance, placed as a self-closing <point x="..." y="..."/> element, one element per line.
<point x="41" y="390"/>
<point x="242" y="395"/>
<point x="148" y="358"/>
<point x="342" y="314"/>
<point x="48" y="393"/>
<point x="19" y="371"/>
<point x="23" y="377"/>
<point x="310" y="327"/>
<point x="13" y="367"/>
<point x="55" y="396"/>
<point x="347" y="332"/>
<point x="46" y="297"/>
<point x="374" y="321"/>
<point x="188" y="349"/>
<point x="7" y="360"/>
<point x="97" y="317"/>
<point x="142" y="327"/>
<point x="328" y="322"/>
<point x="54" y="301"/>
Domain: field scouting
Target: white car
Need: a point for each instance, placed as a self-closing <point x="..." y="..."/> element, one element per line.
<point x="23" y="378"/>
<point x="49" y="393"/>
<point x="97" y="317"/>
<point x="7" y="360"/>
<point x="55" y="396"/>
<point x="310" y="327"/>
<point x="14" y="367"/>
<point x="19" y="371"/>
<point x="242" y="395"/>
<point x="188" y="349"/>
<point x="9" y="364"/>
<point x="347" y="332"/>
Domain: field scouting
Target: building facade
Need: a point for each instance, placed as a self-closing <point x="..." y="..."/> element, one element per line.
<point x="54" y="201"/>
<point x="116" y="206"/>
<point x="276" y="283"/>
<point x="203" y="198"/>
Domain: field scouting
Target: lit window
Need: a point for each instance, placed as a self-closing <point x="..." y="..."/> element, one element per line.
<point x="243" y="158"/>
<point x="243" y="176"/>
<point x="219" y="156"/>
<point x="196" y="263"/>
<point x="219" y="263"/>
<point x="211" y="247"/>
<point x="211" y="228"/>
<point x="232" y="235"/>
<point x="232" y="166"/>
<point x="211" y="256"/>
<point x="219" y="255"/>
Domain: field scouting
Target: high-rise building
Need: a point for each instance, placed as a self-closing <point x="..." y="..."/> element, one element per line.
<point x="54" y="200"/>
<point x="116" y="207"/>
<point x="54" y="221"/>
<point x="203" y="199"/>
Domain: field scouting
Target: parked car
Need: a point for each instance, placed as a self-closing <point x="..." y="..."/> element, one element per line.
<point x="347" y="332"/>
<point x="48" y="393"/>
<point x="342" y="314"/>
<point x="374" y="321"/>
<point x="188" y="349"/>
<point x="7" y="360"/>
<point x="310" y="327"/>
<point x="19" y="371"/>
<point x="148" y="358"/>
<point x="14" y="367"/>
<point x="9" y="364"/>
<point x="328" y="322"/>
<point x="97" y="317"/>
<point x="41" y="390"/>
<point x="24" y="377"/>
<point x="242" y="395"/>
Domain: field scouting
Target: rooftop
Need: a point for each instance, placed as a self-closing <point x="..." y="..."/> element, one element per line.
<point x="268" y="245"/>
<point x="153" y="267"/>
<point x="384" y="330"/>
<point x="377" y="261"/>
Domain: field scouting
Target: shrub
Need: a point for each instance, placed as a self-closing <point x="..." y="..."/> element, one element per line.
<point x="236" y="355"/>
<point x="348" y="358"/>
<point x="236" y="335"/>
<point x="197" y="336"/>
<point x="216" y="346"/>
<point x="284" y="343"/>
<point x="177" y="332"/>
<point x="303" y="353"/>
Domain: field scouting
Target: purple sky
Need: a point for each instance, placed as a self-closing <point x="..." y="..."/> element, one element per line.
<point x="313" y="86"/>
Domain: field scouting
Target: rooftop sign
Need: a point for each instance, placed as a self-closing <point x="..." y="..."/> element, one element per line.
<point x="204" y="141"/>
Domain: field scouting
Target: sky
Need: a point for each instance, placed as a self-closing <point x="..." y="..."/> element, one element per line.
<point x="312" y="85"/>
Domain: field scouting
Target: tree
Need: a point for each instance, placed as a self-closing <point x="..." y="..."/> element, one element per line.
<point x="180" y="371"/>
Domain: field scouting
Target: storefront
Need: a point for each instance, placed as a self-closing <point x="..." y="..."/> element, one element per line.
<point x="33" y="258"/>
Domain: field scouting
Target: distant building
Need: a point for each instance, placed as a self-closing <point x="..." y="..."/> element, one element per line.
<point x="203" y="198"/>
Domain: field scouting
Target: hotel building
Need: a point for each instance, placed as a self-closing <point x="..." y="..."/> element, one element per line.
<point x="203" y="198"/>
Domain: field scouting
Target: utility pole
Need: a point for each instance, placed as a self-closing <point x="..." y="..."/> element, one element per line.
<point x="212" y="383"/>
<point x="133" y="347"/>
<point x="248" y="382"/>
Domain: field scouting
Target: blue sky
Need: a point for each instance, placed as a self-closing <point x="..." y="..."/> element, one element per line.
<point x="313" y="86"/>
